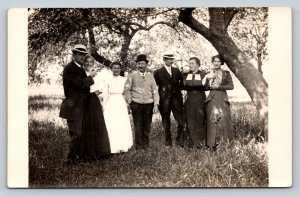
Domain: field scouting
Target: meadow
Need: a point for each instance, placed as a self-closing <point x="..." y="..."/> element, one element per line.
<point x="242" y="163"/>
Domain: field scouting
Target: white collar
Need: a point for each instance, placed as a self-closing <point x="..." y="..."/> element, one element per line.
<point x="167" y="67"/>
<point x="77" y="64"/>
<point x="142" y="73"/>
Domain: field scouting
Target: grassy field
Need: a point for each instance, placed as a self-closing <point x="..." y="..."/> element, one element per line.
<point x="243" y="163"/>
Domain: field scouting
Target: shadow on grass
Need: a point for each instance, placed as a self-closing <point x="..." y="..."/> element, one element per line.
<point x="236" y="165"/>
<point x="41" y="102"/>
<point x="47" y="149"/>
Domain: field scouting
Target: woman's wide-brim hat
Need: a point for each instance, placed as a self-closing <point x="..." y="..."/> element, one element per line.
<point x="80" y="48"/>
<point x="141" y="57"/>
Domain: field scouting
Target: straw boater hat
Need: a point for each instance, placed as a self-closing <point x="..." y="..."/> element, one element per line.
<point x="169" y="56"/>
<point x="80" y="48"/>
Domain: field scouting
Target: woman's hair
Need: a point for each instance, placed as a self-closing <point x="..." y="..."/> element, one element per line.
<point x="115" y="63"/>
<point x="88" y="56"/>
<point x="219" y="57"/>
<point x="197" y="60"/>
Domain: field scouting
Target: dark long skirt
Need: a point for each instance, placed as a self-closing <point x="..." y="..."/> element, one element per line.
<point x="219" y="125"/>
<point x="195" y="118"/>
<point x="95" y="136"/>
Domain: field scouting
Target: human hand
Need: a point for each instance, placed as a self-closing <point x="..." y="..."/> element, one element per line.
<point x="213" y="86"/>
<point x="186" y="69"/>
<point x="93" y="73"/>
<point x="184" y="96"/>
<point x="98" y="92"/>
<point x="128" y="108"/>
<point x="155" y="108"/>
<point x="211" y="75"/>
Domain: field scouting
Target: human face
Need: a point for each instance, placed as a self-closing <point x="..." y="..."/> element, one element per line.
<point x="116" y="70"/>
<point x="216" y="63"/>
<point x="168" y="61"/>
<point x="141" y="65"/>
<point x="193" y="65"/>
<point x="88" y="63"/>
<point x="79" y="57"/>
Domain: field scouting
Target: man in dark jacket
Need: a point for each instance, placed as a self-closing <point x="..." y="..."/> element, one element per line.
<point x="76" y="84"/>
<point x="170" y="83"/>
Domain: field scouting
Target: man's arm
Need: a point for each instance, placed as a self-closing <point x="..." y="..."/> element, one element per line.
<point x="155" y="92"/>
<point x="127" y="89"/>
<point x="73" y="78"/>
<point x="181" y="84"/>
<point x="155" y="75"/>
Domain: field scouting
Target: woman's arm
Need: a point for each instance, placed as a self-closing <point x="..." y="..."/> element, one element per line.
<point x="205" y="82"/>
<point x="228" y="82"/>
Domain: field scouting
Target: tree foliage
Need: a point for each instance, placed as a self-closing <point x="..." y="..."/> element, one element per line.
<point x="252" y="39"/>
<point x="109" y="33"/>
<point x="52" y="31"/>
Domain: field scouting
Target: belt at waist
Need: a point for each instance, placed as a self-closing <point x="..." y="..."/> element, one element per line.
<point x="195" y="92"/>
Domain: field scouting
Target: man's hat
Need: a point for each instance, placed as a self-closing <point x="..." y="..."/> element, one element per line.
<point x="79" y="48"/>
<point x="169" y="56"/>
<point x="141" y="57"/>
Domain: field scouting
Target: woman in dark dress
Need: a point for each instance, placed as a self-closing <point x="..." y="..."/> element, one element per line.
<point x="194" y="105"/>
<point x="219" y="125"/>
<point x="95" y="136"/>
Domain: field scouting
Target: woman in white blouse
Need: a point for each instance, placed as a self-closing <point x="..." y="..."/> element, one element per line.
<point x="115" y="110"/>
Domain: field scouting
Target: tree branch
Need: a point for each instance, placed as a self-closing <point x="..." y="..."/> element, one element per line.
<point x="228" y="15"/>
<point x="149" y="15"/>
<point x="92" y="40"/>
<point x="141" y="27"/>
<point x="185" y="16"/>
<point x="94" y="53"/>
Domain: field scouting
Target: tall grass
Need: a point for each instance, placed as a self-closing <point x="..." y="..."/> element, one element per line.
<point x="241" y="163"/>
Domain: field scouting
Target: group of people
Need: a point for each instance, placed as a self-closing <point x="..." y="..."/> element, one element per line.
<point x="98" y="129"/>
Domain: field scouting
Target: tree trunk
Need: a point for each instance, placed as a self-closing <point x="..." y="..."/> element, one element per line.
<point x="125" y="48"/>
<point x="259" y="62"/>
<point x="235" y="59"/>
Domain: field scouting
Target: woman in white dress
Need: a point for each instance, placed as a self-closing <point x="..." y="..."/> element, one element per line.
<point x="116" y="112"/>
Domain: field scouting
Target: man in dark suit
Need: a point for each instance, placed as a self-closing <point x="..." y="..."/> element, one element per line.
<point x="170" y="83"/>
<point x="76" y="84"/>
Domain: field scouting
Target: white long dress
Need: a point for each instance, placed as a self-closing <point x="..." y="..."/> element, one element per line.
<point x="116" y="116"/>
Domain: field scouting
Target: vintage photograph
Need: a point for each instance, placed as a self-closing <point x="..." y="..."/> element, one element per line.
<point x="148" y="97"/>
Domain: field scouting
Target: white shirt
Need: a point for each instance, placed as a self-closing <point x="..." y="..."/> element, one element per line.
<point x="169" y="69"/>
<point x="142" y="74"/>
<point x="87" y="73"/>
<point x="77" y="64"/>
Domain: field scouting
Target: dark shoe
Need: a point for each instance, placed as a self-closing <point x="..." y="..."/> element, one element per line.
<point x="138" y="147"/>
<point x="214" y="148"/>
<point x="105" y="157"/>
<point x="168" y="144"/>
<point x="146" y="147"/>
<point x="179" y="143"/>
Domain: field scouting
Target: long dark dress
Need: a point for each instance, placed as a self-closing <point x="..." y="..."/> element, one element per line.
<point x="95" y="136"/>
<point x="219" y="125"/>
<point x="194" y="108"/>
